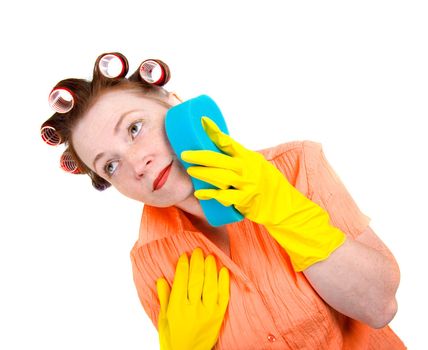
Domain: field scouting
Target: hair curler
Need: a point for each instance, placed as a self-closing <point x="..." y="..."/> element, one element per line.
<point x="113" y="65"/>
<point x="50" y="135"/>
<point x="185" y="132"/>
<point x="100" y="186"/>
<point x="61" y="100"/>
<point x="68" y="164"/>
<point x="154" y="72"/>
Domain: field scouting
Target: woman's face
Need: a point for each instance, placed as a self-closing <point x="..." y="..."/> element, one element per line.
<point x="122" y="138"/>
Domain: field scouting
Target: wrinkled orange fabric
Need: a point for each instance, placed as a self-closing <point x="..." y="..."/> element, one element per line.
<point x="271" y="306"/>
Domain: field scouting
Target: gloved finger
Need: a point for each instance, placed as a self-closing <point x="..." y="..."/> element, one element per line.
<point x="223" y="288"/>
<point x="226" y="197"/>
<point x="210" y="292"/>
<point x="221" y="178"/>
<point x="206" y="194"/>
<point x="212" y="159"/>
<point x="220" y="139"/>
<point x="196" y="276"/>
<point x="163" y="291"/>
<point x="181" y="280"/>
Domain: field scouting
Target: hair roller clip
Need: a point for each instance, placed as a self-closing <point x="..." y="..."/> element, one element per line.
<point x="50" y="135"/>
<point x="100" y="186"/>
<point x="61" y="100"/>
<point x="154" y="72"/>
<point x="68" y="163"/>
<point x="113" y="65"/>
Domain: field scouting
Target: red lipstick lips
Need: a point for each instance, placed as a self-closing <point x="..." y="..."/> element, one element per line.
<point x="162" y="177"/>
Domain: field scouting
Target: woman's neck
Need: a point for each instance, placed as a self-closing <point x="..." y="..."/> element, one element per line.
<point x="193" y="210"/>
<point x="218" y="235"/>
<point x="192" y="206"/>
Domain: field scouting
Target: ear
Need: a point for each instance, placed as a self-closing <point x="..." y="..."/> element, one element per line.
<point x="173" y="99"/>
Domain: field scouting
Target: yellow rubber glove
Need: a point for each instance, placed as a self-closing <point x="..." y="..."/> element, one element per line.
<point x="262" y="194"/>
<point x="192" y="313"/>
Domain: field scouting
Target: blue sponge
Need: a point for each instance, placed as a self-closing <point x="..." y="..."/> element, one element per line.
<point x="185" y="132"/>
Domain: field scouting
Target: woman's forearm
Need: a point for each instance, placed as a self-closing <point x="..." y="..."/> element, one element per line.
<point x="359" y="282"/>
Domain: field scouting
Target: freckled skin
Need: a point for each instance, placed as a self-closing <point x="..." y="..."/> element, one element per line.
<point x="139" y="156"/>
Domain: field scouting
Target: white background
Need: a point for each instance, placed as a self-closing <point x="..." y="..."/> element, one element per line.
<point x="351" y="75"/>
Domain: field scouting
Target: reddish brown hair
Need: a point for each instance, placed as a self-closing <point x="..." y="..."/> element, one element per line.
<point x="85" y="93"/>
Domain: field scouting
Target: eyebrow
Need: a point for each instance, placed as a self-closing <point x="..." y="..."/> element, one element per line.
<point x="116" y="130"/>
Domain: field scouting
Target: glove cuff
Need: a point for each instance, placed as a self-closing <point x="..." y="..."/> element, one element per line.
<point x="308" y="238"/>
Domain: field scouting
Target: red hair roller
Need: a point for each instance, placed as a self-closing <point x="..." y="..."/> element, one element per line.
<point x="113" y="65"/>
<point x="154" y="72"/>
<point x="50" y="135"/>
<point x="61" y="100"/>
<point x="68" y="163"/>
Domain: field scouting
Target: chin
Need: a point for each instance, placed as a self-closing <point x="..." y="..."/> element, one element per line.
<point x="171" y="194"/>
<point x="169" y="199"/>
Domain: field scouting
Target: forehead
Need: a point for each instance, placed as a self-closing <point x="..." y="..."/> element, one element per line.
<point x="120" y="100"/>
<point x="110" y="105"/>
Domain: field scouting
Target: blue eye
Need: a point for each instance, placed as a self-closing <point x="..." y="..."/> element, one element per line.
<point x="110" y="167"/>
<point x="135" y="128"/>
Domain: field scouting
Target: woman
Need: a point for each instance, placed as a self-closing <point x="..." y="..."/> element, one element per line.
<point x="306" y="270"/>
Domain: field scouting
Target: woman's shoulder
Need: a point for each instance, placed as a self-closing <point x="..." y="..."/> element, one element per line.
<point x="291" y="150"/>
<point x="295" y="160"/>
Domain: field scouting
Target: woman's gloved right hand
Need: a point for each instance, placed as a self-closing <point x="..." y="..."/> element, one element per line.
<point x="261" y="193"/>
<point x="192" y="312"/>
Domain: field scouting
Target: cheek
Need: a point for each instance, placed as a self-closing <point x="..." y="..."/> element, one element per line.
<point x="155" y="139"/>
<point x="124" y="189"/>
<point x="165" y="140"/>
<point x="184" y="180"/>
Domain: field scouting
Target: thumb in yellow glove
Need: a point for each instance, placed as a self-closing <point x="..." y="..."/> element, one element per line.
<point x="192" y="313"/>
<point x="262" y="194"/>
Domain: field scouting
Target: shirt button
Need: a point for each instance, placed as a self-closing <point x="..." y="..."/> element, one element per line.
<point x="271" y="338"/>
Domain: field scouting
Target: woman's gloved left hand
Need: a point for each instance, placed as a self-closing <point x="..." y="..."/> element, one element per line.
<point x="262" y="194"/>
<point x="191" y="314"/>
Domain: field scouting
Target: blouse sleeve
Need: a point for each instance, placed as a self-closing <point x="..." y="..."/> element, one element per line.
<point x="327" y="190"/>
<point x="145" y="273"/>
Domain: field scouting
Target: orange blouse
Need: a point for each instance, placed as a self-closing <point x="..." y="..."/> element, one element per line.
<point x="271" y="306"/>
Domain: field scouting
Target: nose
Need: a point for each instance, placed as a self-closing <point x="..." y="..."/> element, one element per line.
<point x="138" y="161"/>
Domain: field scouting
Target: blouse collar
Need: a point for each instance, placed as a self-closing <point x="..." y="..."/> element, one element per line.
<point x="158" y="223"/>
